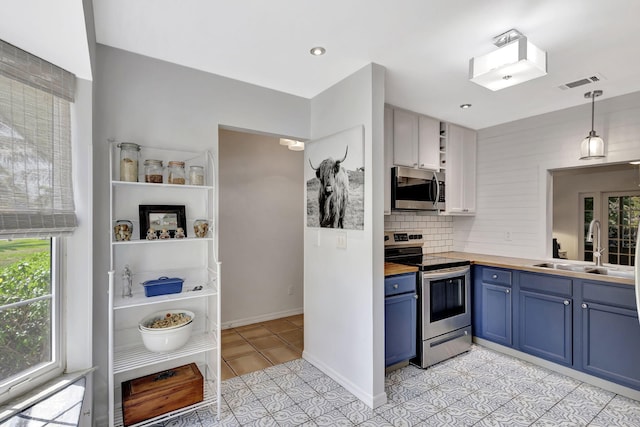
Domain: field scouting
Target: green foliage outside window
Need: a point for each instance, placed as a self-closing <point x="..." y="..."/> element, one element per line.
<point x="25" y="330"/>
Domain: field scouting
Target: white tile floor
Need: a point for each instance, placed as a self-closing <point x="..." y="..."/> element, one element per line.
<point x="480" y="388"/>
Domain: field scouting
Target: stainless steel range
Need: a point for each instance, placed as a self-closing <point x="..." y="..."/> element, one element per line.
<point x="444" y="298"/>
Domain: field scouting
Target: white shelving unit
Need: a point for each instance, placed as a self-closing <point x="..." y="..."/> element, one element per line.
<point x="192" y="259"/>
<point x="443" y="146"/>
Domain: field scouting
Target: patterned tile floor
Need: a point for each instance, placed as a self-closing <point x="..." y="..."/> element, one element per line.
<point x="479" y="388"/>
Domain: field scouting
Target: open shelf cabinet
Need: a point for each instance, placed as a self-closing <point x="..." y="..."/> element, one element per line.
<point x="193" y="259"/>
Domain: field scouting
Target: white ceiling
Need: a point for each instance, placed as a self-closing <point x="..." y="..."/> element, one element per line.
<point x="52" y="30"/>
<point x="425" y="45"/>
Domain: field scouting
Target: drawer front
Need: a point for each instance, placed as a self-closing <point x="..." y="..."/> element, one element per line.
<point x="494" y="275"/>
<point x="546" y="283"/>
<point x="400" y="284"/>
<point x="609" y="294"/>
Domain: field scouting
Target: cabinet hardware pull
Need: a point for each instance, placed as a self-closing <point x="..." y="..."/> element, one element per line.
<point x="395" y="286"/>
<point x="495" y="276"/>
<point x="416" y="296"/>
<point x="584" y="305"/>
<point x="508" y="291"/>
<point x="566" y="302"/>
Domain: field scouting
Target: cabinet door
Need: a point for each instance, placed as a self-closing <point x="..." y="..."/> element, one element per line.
<point x="611" y="343"/>
<point x="496" y="314"/>
<point x="461" y="171"/>
<point x="428" y="143"/>
<point x="546" y="328"/>
<point x="405" y="138"/>
<point x="400" y="328"/>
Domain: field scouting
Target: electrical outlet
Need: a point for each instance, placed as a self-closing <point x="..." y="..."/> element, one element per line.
<point x="507" y="236"/>
<point x="342" y="240"/>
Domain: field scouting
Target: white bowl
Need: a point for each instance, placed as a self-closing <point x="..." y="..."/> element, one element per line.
<point x="160" y="315"/>
<point x="166" y="340"/>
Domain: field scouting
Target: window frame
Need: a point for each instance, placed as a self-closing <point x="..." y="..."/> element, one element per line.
<point x="605" y="214"/>
<point x="41" y="373"/>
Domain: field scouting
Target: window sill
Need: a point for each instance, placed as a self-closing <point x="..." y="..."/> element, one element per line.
<point x="41" y="394"/>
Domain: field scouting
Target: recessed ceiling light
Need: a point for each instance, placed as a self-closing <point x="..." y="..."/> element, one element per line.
<point x="318" y="51"/>
<point x="465" y="106"/>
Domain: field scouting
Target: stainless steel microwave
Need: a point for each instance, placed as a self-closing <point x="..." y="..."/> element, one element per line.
<point x="417" y="189"/>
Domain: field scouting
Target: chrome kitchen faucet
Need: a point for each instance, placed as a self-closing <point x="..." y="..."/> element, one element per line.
<point x="597" y="250"/>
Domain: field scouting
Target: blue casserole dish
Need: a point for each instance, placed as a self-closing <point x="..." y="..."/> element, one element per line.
<point x="163" y="286"/>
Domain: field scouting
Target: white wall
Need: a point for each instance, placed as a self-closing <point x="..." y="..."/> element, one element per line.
<point x="343" y="292"/>
<point x="261" y="228"/>
<point x="566" y="201"/>
<point x="512" y="179"/>
<point x="155" y="103"/>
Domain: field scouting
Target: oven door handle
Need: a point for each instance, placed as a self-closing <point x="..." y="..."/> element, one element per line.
<point x="444" y="274"/>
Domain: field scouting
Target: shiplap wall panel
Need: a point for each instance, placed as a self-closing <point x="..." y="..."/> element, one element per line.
<point x="512" y="178"/>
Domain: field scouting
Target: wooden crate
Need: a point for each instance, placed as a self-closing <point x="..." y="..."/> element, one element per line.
<point x="162" y="392"/>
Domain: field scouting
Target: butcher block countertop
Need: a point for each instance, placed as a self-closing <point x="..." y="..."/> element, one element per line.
<point x="391" y="269"/>
<point x="527" y="265"/>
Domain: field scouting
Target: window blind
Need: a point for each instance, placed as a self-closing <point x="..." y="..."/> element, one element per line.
<point x="36" y="191"/>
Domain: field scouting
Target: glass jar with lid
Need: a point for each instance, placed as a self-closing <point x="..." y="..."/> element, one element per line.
<point x="153" y="171"/>
<point x="176" y="173"/>
<point x="129" y="161"/>
<point x="196" y="175"/>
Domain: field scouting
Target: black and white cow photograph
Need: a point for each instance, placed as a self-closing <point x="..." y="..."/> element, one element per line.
<point x="335" y="181"/>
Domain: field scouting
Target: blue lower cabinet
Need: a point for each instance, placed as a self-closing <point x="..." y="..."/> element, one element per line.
<point x="492" y="304"/>
<point x="496" y="314"/>
<point x="611" y="335"/>
<point x="400" y="325"/>
<point x="546" y="327"/>
<point x="590" y="326"/>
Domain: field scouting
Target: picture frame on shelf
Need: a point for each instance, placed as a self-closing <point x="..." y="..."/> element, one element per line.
<point x="167" y="221"/>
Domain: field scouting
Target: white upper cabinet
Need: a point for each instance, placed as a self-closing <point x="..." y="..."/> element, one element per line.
<point x="428" y="143"/>
<point x="461" y="171"/>
<point x="416" y="140"/>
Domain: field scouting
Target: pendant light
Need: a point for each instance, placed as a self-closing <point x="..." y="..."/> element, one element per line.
<point x="592" y="146"/>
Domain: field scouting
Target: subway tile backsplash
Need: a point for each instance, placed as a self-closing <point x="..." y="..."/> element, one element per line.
<point x="437" y="230"/>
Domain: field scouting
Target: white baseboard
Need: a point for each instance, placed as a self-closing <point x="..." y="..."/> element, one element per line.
<point x="261" y="318"/>
<point x="580" y="376"/>
<point x="366" y="398"/>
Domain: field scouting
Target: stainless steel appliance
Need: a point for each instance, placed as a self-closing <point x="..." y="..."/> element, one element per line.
<point x="417" y="189"/>
<point x="444" y="298"/>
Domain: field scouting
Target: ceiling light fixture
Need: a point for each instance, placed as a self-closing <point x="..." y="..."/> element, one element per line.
<point x="296" y="146"/>
<point x="318" y="51"/>
<point x="592" y="147"/>
<point x="516" y="61"/>
<point x="292" y="144"/>
<point x="465" y="106"/>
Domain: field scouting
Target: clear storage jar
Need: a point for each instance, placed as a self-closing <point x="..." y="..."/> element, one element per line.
<point x="176" y="173"/>
<point x="201" y="227"/>
<point x="153" y="170"/>
<point x="129" y="161"/>
<point x="196" y="175"/>
<point x="123" y="230"/>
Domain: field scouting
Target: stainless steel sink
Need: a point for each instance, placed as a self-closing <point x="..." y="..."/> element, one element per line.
<point x="591" y="269"/>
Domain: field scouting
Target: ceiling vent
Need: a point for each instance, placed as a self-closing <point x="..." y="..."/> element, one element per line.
<point x="581" y="82"/>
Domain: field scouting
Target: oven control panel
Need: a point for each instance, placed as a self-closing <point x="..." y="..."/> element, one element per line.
<point x="403" y="238"/>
